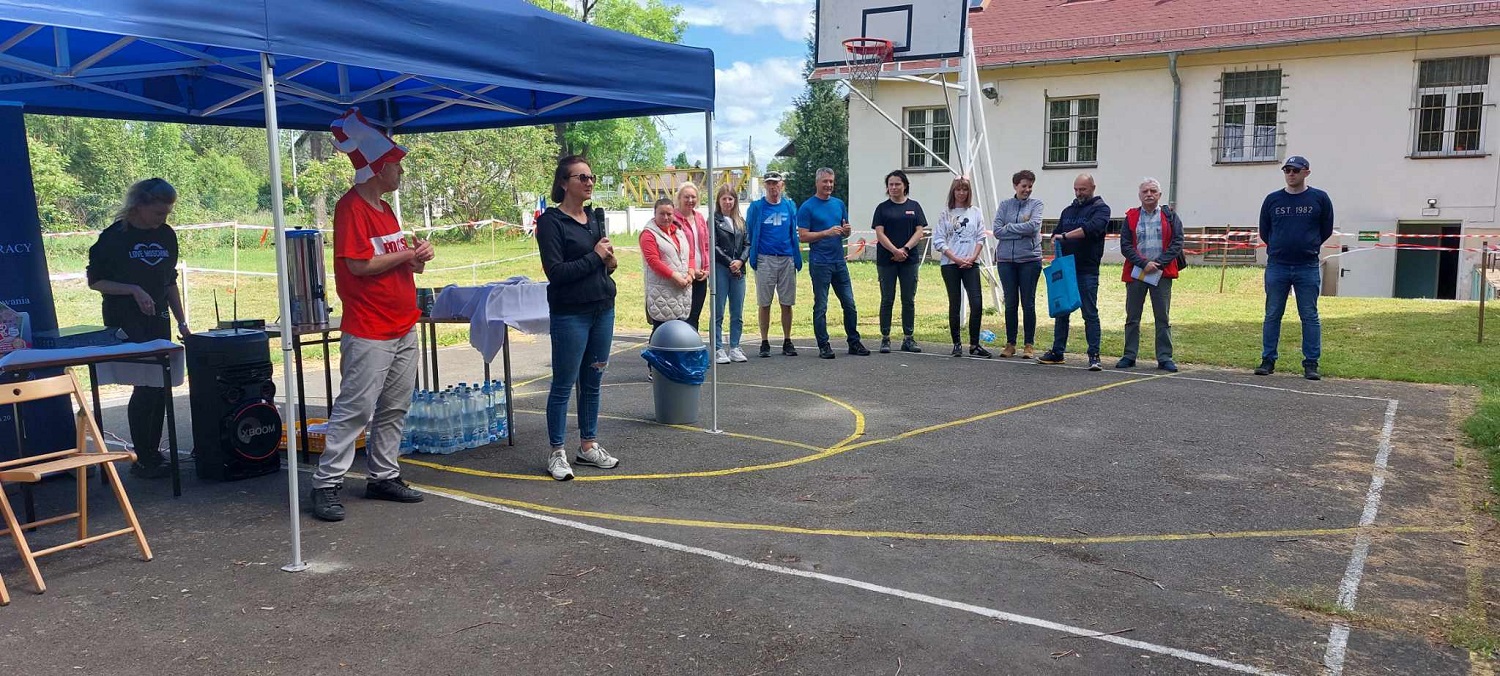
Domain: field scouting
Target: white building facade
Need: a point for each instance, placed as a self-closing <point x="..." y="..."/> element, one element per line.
<point x="1396" y="126"/>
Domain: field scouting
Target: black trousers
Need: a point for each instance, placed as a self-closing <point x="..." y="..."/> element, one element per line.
<point x="968" y="278"/>
<point x="700" y="294"/>
<point x="147" y="410"/>
<point x="906" y="274"/>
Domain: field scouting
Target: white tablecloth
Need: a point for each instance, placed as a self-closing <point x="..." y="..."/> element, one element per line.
<point x="110" y="373"/>
<point x="517" y="302"/>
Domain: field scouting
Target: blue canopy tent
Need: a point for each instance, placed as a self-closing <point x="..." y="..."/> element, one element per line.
<point x="411" y="66"/>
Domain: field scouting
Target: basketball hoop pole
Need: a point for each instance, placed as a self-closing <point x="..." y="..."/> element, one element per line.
<point x="855" y="90"/>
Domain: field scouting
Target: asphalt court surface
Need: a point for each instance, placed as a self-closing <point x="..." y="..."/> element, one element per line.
<point x="870" y="514"/>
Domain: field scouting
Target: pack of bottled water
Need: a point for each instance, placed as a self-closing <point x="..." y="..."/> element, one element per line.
<point x="457" y="418"/>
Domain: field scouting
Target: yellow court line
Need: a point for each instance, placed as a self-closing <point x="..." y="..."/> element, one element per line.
<point x="948" y="537"/>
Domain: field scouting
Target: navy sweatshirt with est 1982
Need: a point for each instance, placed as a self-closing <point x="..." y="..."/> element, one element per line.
<point x="1294" y="226"/>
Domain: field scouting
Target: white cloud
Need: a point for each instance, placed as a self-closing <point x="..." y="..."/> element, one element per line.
<point x="749" y="103"/>
<point x="791" y="18"/>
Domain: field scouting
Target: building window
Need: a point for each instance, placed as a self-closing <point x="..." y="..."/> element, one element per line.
<point x="1072" y="132"/>
<point x="1249" y="116"/>
<point x="1450" y="106"/>
<point x="931" y="127"/>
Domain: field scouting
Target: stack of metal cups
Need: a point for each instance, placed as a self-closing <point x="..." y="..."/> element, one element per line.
<point x="305" y="277"/>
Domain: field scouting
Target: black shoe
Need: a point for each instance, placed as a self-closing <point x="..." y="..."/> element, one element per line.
<point x="1310" y="371"/>
<point x="979" y="351"/>
<point x="1094" y="364"/>
<point x="885" y="344"/>
<point x="157" y="470"/>
<point x="765" y="349"/>
<point x="858" y="349"/>
<point x="1125" y="363"/>
<point x="1050" y="357"/>
<point x="788" y="349"/>
<point x="957" y="351"/>
<point x="826" y="352"/>
<point x="1267" y="367"/>
<point x="326" y="505"/>
<point x="394" y="490"/>
<point x="1167" y="365"/>
<point x="909" y="345"/>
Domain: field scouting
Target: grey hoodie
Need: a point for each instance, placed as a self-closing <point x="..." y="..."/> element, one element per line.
<point x="1018" y="231"/>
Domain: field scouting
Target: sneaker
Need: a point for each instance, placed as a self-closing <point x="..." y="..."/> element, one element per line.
<point x="557" y="465"/>
<point x="826" y="352"/>
<point x="1125" y="363"/>
<point x="957" y="351"/>
<point x="788" y="349"/>
<point x="394" y="490"/>
<point x="596" y="456"/>
<point x="1008" y="351"/>
<point x="765" y="349"/>
<point x="1267" y="367"/>
<point x="157" y="470"/>
<point x="1094" y="364"/>
<point x="909" y="345"/>
<point x="885" y="344"/>
<point x="1167" y="365"/>
<point x="979" y="351"/>
<point x="738" y="355"/>
<point x="720" y="356"/>
<point x="326" y="505"/>
<point x="1028" y="353"/>
<point x="1051" y="357"/>
<point x="1310" y="371"/>
<point x="858" y="349"/>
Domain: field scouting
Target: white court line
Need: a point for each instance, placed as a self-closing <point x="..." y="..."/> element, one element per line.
<point x="1338" y="636"/>
<point x="867" y="586"/>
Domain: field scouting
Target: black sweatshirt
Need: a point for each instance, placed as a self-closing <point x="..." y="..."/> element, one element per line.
<point x="578" y="282"/>
<point x="130" y="255"/>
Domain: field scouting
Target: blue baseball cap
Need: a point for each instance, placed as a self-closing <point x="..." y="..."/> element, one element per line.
<point x="1297" y="161"/>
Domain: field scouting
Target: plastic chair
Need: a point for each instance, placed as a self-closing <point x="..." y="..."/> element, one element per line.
<point x="78" y="460"/>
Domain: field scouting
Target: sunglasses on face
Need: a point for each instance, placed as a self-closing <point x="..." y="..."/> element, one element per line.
<point x="1290" y="170"/>
<point x="584" y="178"/>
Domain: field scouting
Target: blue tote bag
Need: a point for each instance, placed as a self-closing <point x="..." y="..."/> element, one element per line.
<point x="1062" y="286"/>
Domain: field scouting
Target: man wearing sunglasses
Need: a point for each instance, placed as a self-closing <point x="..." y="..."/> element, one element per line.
<point x="1294" y="223"/>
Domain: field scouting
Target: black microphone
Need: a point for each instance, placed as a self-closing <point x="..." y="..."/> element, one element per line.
<point x="599" y="218"/>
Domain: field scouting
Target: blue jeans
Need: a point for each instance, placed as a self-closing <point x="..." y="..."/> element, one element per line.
<point x="1019" y="281"/>
<point x="1088" y="293"/>
<point x="1307" y="281"/>
<point x="578" y="341"/>
<point x="729" y="289"/>
<point x="837" y="276"/>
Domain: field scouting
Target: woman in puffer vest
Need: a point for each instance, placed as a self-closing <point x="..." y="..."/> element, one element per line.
<point x="665" y="248"/>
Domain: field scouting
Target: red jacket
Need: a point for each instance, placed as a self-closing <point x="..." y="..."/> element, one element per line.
<point x="1171" y="242"/>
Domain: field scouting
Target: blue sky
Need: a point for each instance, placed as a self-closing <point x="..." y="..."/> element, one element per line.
<point x="758" y="52"/>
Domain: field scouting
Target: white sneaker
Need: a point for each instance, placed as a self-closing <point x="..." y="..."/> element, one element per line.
<point x="721" y="357"/>
<point x="596" y="456"/>
<point x="736" y="354"/>
<point x="557" y="466"/>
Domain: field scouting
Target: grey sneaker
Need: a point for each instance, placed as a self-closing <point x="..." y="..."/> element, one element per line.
<point x="326" y="505"/>
<point x="721" y="356"/>
<point x="596" y="456"/>
<point x="557" y="465"/>
<point x="394" y="490"/>
<point x="737" y="355"/>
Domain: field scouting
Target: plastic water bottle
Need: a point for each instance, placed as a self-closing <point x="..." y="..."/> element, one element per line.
<point x="423" y="434"/>
<point x="502" y="424"/>
<point x="474" y="429"/>
<point x="489" y="412"/>
<point x="408" y="427"/>
<point x="445" y="427"/>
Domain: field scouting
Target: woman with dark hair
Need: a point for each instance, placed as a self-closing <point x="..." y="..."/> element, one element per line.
<point x="1018" y="258"/>
<point x="956" y="239"/>
<point x="664" y="250"/>
<point x="134" y="264"/>
<point x="899" y="224"/>
<point x="578" y="260"/>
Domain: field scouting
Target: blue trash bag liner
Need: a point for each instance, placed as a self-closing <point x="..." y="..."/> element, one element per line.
<point x="1062" y="286"/>
<point x="687" y="367"/>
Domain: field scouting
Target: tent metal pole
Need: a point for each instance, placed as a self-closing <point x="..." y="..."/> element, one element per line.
<point x="713" y="267"/>
<point x="288" y="381"/>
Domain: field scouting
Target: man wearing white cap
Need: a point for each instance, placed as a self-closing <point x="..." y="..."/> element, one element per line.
<point x="373" y="268"/>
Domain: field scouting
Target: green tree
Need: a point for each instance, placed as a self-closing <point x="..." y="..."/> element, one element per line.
<point x="224" y="187"/>
<point x="822" y="140"/>
<point x="478" y="174"/>
<point x="57" y="191"/>
<point x="786" y="129"/>
<point x="681" y="160"/>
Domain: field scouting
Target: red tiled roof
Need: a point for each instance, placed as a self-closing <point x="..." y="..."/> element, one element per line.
<point x="1038" y="31"/>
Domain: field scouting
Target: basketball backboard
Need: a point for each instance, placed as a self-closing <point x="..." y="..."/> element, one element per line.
<point x="917" y="29"/>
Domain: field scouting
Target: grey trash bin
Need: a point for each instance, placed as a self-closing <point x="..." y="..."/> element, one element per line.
<point x="676" y="403"/>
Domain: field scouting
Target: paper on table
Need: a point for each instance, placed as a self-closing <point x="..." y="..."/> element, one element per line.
<point x="1138" y="274"/>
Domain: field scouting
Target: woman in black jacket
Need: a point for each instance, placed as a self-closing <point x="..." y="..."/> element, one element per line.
<point x="731" y="244"/>
<point x="578" y="260"/>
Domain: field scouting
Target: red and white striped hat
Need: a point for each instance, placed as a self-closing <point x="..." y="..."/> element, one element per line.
<point x="368" y="148"/>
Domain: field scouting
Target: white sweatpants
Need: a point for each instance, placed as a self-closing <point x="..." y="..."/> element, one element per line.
<point x="376" y="381"/>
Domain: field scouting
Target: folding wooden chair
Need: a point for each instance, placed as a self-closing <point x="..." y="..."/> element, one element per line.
<point x="77" y="459"/>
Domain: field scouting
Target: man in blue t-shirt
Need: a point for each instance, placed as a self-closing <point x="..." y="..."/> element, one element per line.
<point x="1294" y="223"/>
<point x="776" y="257"/>
<point x="823" y="223"/>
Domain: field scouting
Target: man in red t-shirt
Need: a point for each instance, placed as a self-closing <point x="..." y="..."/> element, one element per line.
<point x="373" y="269"/>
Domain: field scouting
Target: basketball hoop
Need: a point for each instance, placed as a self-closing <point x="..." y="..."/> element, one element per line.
<point x="864" y="57"/>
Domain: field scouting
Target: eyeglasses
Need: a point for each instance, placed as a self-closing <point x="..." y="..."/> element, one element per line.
<point x="1290" y="170"/>
<point x="584" y="178"/>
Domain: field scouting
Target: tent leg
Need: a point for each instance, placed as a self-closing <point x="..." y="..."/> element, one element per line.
<point x="713" y="268"/>
<point x="289" y="383"/>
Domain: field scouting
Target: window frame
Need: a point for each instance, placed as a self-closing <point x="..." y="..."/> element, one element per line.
<point x="927" y="137"/>
<point x="1251" y="107"/>
<point x="1451" y="109"/>
<point x="1075" y="132"/>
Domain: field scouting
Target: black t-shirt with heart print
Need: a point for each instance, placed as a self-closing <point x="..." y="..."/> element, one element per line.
<point x="145" y="258"/>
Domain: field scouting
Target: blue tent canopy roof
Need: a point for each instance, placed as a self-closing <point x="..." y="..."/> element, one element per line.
<point x="413" y="66"/>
